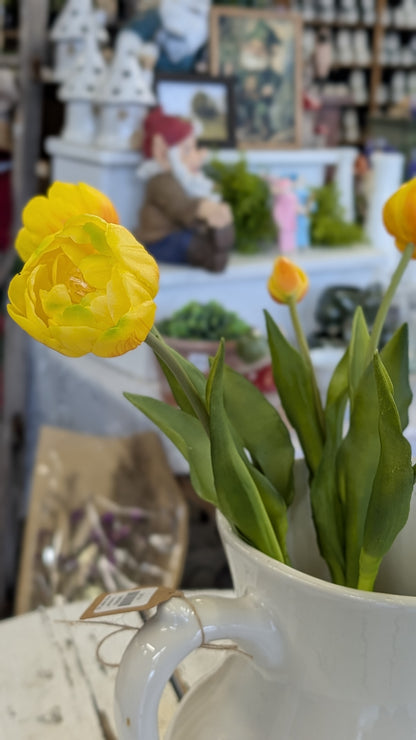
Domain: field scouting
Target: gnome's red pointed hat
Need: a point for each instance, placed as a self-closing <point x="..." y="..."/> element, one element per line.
<point x="173" y="129"/>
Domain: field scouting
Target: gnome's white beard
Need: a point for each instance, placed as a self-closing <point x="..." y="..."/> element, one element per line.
<point x="195" y="184"/>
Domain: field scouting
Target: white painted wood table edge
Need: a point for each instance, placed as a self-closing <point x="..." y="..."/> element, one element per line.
<point x="53" y="686"/>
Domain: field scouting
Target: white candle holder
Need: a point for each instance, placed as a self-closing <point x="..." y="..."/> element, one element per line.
<point x="69" y="33"/>
<point x="125" y="97"/>
<point x="79" y="90"/>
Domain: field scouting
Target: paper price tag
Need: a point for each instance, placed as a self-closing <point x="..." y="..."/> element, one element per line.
<point x="138" y="599"/>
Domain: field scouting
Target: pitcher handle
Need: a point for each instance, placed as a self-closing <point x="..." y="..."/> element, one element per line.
<point x="155" y="651"/>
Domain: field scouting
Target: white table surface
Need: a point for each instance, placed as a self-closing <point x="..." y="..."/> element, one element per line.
<point x="53" y="686"/>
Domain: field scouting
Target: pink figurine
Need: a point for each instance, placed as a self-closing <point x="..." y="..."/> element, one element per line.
<point x="285" y="209"/>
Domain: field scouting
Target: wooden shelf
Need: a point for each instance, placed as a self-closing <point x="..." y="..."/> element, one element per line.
<point x="358" y="25"/>
<point x="339" y="24"/>
<point x="376" y="70"/>
<point x="351" y="65"/>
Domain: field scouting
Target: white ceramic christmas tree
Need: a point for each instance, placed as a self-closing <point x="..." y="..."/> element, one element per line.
<point x="79" y="92"/>
<point x="125" y="97"/>
<point x="69" y="33"/>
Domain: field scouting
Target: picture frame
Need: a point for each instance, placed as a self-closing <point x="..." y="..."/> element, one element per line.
<point x="207" y="100"/>
<point x="261" y="51"/>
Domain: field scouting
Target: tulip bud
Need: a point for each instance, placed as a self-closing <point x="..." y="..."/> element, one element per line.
<point x="287" y="281"/>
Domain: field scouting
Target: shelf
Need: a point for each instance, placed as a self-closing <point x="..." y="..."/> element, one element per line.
<point x="399" y="65"/>
<point x="351" y="65"/>
<point x="340" y="24"/>
<point x="359" y="25"/>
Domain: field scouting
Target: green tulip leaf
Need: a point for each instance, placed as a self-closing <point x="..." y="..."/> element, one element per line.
<point x="261" y="430"/>
<point x="295" y="388"/>
<point x="326" y="505"/>
<point x="395" y="357"/>
<point x="388" y="507"/>
<point x="238" y="496"/>
<point x="276" y="508"/>
<point x="186" y="382"/>
<point x="356" y="464"/>
<point x="188" y="435"/>
<point x="358" y="350"/>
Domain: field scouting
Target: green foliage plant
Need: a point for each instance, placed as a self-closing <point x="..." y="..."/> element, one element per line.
<point x="249" y="198"/>
<point x="328" y="226"/>
<point x="209" y="321"/>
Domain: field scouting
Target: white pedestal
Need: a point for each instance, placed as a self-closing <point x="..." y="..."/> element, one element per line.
<point x="112" y="172"/>
<point x="242" y="287"/>
<point x="387" y="176"/>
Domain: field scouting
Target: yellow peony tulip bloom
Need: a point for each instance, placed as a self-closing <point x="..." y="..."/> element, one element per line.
<point x="287" y="281"/>
<point x="399" y="215"/>
<point x="45" y="215"/>
<point x="88" y="288"/>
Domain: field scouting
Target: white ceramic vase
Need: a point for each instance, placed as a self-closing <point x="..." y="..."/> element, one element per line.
<point x="327" y="662"/>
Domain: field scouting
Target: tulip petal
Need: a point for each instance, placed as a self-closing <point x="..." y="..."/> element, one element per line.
<point x="134" y="257"/>
<point x="55" y="301"/>
<point x="43" y="216"/>
<point x="98" y="306"/>
<point x="96" y="270"/>
<point x="83" y="198"/>
<point x="78" y="316"/>
<point x="130" y="331"/>
<point x="16" y="292"/>
<point x="38" y="331"/>
<point x="74" y="341"/>
<point x="118" y="301"/>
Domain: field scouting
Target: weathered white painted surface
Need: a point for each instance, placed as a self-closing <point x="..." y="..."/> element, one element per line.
<point x="51" y="683"/>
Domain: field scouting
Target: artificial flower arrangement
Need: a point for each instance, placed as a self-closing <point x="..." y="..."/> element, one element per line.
<point x="87" y="286"/>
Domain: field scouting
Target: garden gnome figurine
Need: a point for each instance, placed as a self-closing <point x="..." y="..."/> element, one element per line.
<point x="124" y="98"/>
<point x="179" y="28"/>
<point x="181" y="220"/>
<point x="70" y="31"/>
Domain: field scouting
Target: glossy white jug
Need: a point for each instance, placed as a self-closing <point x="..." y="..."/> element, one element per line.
<point x="328" y="662"/>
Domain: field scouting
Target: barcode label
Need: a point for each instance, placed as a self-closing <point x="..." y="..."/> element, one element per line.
<point x="138" y="599"/>
<point x="126" y="599"/>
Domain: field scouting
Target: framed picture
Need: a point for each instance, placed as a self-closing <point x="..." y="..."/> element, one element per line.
<point x="207" y="100"/>
<point x="261" y="50"/>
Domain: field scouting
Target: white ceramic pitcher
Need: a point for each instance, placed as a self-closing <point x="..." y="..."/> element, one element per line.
<point x="328" y="662"/>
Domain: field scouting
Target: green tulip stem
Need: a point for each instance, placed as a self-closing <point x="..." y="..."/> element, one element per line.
<point x="387" y="299"/>
<point x="163" y="351"/>
<point x="304" y="351"/>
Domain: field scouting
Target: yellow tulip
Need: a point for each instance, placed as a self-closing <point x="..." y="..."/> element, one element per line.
<point x="287" y="282"/>
<point x="399" y="215"/>
<point x="88" y="288"/>
<point x="45" y="215"/>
